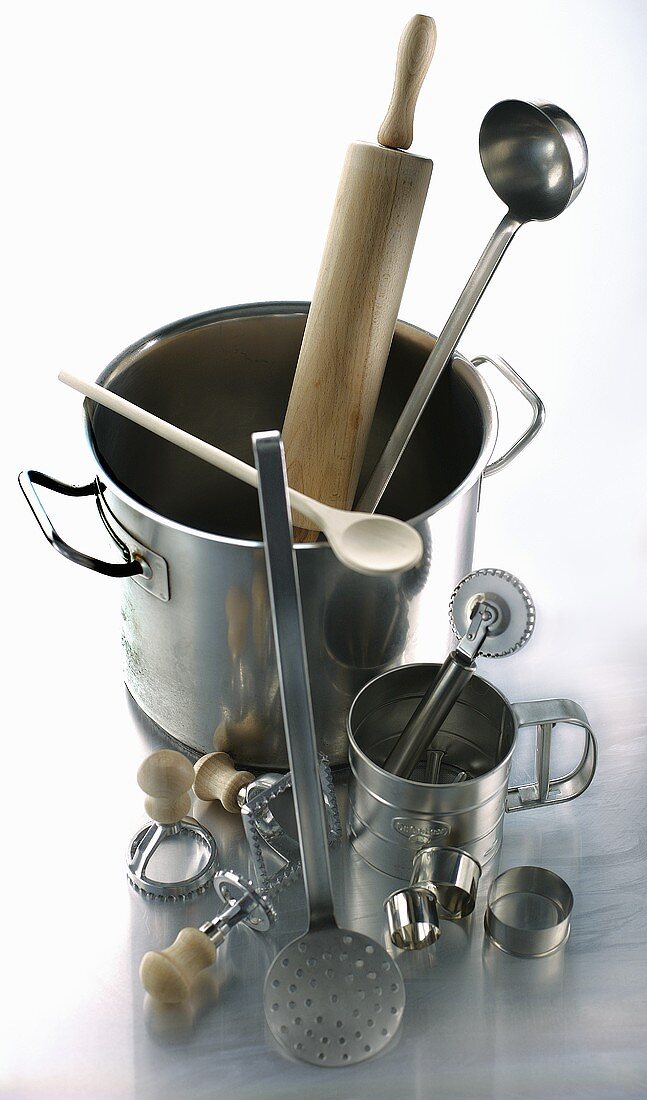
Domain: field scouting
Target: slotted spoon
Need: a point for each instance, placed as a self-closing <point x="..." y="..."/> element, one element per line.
<point x="332" y="997"/>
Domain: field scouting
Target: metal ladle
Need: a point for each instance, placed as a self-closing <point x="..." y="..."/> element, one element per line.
<point x="535" y="158"/>
<point x="332" y="997"/>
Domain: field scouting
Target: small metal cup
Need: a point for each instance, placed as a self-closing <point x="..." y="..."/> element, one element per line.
<point x="452" y="874"/>
<point x="412" y="916"/>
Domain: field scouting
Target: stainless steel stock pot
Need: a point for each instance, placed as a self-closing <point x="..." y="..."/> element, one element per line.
<point x="197" y="634"/>
<point x="391" y="818"/>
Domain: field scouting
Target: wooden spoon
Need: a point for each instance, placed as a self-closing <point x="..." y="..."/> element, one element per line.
<point x="366" y="543"/>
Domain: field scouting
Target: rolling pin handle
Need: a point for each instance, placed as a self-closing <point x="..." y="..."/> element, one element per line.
<point x="415" y="52"/>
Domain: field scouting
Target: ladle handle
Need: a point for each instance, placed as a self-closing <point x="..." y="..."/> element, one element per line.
<point x="289" y="639"/>
<point x="444" y="348"/>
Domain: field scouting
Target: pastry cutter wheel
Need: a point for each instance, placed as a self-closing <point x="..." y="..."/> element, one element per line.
<point x="275" y="853"/>
<point x="167" y="975"/>
<point x="166" y="778"/>
<point x="493" y="615"/>
<point x="332" y="997"/>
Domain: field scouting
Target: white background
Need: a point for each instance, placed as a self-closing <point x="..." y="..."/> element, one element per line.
<point x="161" y="159"/>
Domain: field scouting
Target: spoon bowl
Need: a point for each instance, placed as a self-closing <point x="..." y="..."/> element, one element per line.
<point x="534" y="156"/>
<point x="373" y="544"/>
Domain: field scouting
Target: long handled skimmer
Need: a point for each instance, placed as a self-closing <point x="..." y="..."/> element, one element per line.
<point x="332" y="997"/>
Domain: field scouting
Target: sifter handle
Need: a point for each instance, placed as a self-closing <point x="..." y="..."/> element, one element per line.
<point x="415" y="52"/>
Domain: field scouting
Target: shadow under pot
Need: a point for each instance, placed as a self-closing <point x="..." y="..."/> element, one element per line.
<point x="391" y="818"/>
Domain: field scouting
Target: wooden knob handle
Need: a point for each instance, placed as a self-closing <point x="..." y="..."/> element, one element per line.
<point x="167" y="975"/>
<point x="415" y="52"/>
<point x="166" y="777"/>
<point x="216" y="778"/>
<point x="167" y="811"/>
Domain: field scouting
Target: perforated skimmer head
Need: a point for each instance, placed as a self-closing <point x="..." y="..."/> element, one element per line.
<point x="334" y="997"/>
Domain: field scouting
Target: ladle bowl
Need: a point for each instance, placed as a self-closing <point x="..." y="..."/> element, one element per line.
<point x="534" y="156"/>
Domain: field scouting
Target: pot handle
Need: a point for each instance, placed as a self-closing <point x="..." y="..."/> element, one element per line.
<point x="545" y="714"/>
<point x="27" y="479"/>
<point x="535" y="402"/>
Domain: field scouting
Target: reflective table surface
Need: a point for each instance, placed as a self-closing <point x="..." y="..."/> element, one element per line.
<point x="124" y="218"/>
<point x="478" y="1023"/>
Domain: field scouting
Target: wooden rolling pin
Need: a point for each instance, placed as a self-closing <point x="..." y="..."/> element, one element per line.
<point x="357" y="296"/>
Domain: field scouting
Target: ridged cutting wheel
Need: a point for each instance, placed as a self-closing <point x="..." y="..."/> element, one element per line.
<point x="512" y="602"/>
<point x="231" y="887"/>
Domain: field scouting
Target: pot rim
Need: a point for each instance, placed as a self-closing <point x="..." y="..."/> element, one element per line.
<point x="415" y="784"/>
<point x="466" y="370"/>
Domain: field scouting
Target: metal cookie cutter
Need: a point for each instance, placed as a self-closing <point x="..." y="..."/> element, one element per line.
<point x="268" y="839"/>
<point x="529" y="912"/>
<point x="444" y="883"/>
<point x="453" y="874"/>
<point x="166" y="777"/>
<point x="412" y="917"/>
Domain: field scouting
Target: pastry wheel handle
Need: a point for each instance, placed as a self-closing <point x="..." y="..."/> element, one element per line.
<point x="429" y="715"/>
<point x="289" y="639"/>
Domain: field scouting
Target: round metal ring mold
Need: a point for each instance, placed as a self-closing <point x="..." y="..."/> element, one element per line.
<point x="146" y="842"/>
<point x="528" y="912"/>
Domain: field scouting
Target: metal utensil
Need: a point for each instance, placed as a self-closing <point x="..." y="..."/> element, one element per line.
<point x="167" y="975"/>
<point x="493" y="615"/>
<point x="366" y="543"/>
<point x="444" y="883"/>
<point x="528" y="912"/>
<point x="166" y="777"/>
<point x="332" y="997"/>
<point x="535" y="158"/>
<point x="453" y="875"/>
<point x="412" y="917"/>
<point x="274" y="851"/>
<point x="390" y="818"/>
